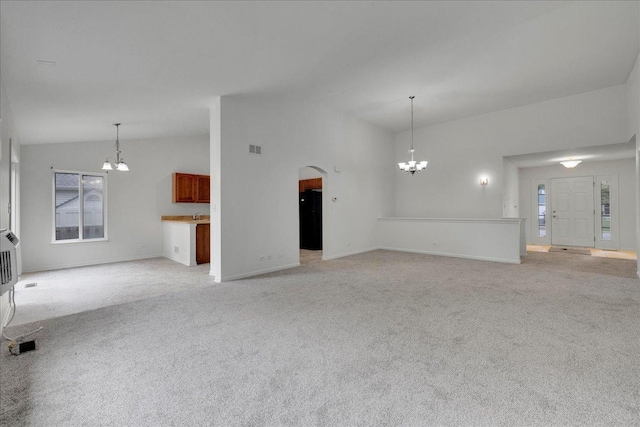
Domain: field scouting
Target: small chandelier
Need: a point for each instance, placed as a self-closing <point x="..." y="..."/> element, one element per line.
<point x="412" y="166"/>
<point x="118" y="162"/>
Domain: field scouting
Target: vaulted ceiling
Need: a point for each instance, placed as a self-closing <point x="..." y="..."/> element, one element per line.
<point x="156" y="66"/>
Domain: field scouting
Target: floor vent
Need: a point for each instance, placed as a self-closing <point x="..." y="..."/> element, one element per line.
<point x="30" y="285"/>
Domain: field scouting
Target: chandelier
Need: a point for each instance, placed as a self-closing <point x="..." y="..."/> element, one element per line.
<point x="412" y="166"/>
<point x="118" y="162"/>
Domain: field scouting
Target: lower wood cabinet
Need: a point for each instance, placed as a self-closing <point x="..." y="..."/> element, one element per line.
<point x="203" y="243"/>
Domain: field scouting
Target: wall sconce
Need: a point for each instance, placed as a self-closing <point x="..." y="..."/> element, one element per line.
<point x="484" y="181"/>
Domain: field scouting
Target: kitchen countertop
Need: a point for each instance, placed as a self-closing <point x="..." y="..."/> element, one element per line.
<point x="187" y="219"/>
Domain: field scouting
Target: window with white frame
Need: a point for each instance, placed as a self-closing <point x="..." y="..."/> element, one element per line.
<point x="79" y="206"/>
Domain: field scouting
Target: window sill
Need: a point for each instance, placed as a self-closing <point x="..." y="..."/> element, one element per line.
<point x="79" y="242"/>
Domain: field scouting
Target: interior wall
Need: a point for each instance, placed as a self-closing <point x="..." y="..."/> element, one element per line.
<point x="7" y="132"/>
<point x="135" y="200"/>
<point x="626" y="192"/>
<point x="461" y="151"/>
<point x="633" y="128"/>
<point x="510" y="191"/>
<point x="259" y="202"/>
<point x="308" y="173"/>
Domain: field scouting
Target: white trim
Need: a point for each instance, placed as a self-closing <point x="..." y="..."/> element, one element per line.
<point x="479" y="258"/>
<point x="476" y="220"/>
<point x="79" y="242"/>
<point x="87" y="264"/>
<point x="254" y="273"/>
<point x="330" y="257"/>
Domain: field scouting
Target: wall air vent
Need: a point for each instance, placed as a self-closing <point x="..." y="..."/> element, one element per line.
<point x="255" y="149"/>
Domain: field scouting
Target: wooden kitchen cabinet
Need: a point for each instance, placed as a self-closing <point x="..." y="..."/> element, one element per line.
<point x="309" y="184"/>
<point x="203" y="188"/>
<point x="203" y="243"/>
<point x="191" y="188"/>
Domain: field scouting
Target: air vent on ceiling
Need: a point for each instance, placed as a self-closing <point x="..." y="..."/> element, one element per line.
<point x="255" y="149"/>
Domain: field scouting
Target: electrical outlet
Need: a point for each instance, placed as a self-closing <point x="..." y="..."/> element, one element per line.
<point x="176" y="249"/>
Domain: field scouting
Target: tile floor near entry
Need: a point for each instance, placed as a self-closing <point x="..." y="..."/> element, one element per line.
<point x="594" y="252"/>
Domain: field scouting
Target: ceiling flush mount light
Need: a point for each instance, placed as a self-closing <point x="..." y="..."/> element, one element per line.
<point x="412" y="166"/>
<point x="570" y="164"/>
<point x="118" y="163"/>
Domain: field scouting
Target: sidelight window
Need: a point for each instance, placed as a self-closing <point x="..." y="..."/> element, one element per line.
<point x="605" y="210"/>
<point x="542" y="211"/>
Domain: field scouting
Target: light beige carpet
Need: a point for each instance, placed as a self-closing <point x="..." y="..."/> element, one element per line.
<point x="381" y="338"/>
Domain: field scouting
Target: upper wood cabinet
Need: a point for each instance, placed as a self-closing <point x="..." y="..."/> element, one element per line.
<point x="203" y="188"/>
<point x="310" y="184"/>
<point x="190" y="188"/>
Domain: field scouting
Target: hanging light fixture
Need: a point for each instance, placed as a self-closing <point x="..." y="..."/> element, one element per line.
<point x="118" y="162"/>
<point x="570" y="164"/>
<point x="412" y="166"/>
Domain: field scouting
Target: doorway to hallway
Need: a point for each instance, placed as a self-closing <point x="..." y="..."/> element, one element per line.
<point x="310" y="210"/>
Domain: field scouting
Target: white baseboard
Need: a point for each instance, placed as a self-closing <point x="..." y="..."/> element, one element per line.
<point x="178" y="259"/>
<point x="327" y="258"/>
<point x="86" y="264"/>
<point x="257" y="272"/>
<point x="480" y="258"/>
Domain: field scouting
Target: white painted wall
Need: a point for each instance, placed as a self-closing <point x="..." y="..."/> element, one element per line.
<point x="308" y="173"/>
<point x="7" y="131"/>
<point x="135" y="200"/>
<point x="626" y="193"/>
<point x="180" y="235"/>
<point x="259" y="201"/>
<point x="632" y="94"/>
<point x="510" y="190"/>
<point x="633" y="128"/>
<point x="461" y="151"/>
<point x="484" y="239"/>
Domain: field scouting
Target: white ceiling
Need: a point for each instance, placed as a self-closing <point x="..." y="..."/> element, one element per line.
<point x="156" y="66"/>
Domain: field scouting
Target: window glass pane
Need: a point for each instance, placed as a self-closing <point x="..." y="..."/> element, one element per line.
<point x="605" y="210"/>
<point x="93" y="206"/>
<point x="67" y="206"/>
<point x="542" y="209"/>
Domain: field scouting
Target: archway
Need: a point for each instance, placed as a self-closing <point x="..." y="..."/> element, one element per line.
<point x="312" y="203"/>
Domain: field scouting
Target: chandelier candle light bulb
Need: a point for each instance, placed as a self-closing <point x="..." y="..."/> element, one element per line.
<point x="412" y="166"/>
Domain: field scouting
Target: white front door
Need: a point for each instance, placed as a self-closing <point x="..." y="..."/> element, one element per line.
<point x="572" y="213"/>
